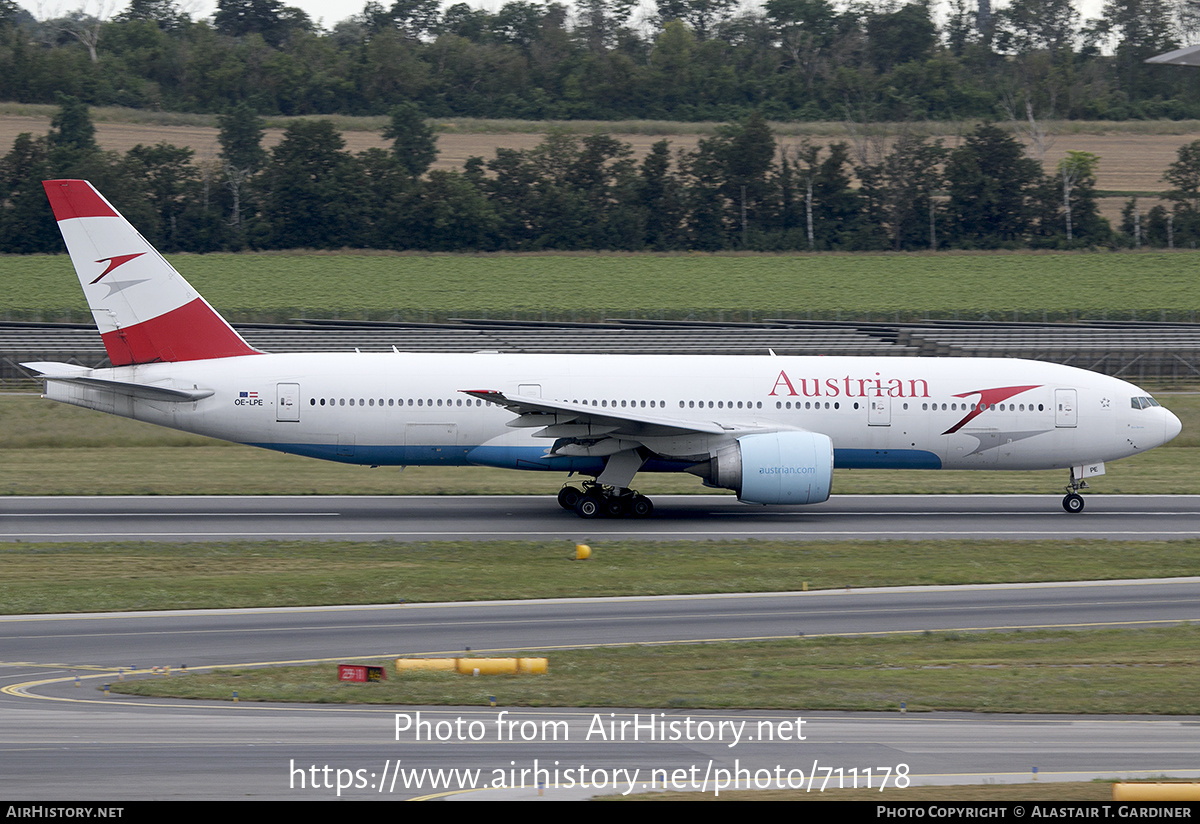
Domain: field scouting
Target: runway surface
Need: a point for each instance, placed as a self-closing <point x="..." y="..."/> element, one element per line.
<point x="60" y="741"/>
<point x="676" y="517"/>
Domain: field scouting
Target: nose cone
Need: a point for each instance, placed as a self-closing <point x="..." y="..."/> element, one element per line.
<point x="1171" y="426"/>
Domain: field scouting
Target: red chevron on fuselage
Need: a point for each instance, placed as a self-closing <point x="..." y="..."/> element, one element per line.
<point x="987" y="398"/>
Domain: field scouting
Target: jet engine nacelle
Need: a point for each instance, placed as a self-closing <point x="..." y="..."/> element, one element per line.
<point x="776" y="468"/>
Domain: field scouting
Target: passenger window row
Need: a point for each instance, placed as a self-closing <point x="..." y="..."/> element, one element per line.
<point x="396" y="402"/>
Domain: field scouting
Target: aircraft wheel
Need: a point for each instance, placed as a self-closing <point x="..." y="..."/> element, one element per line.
<point x="568" y="496"/>
<point x="587" y="506"/>
<point x="641" y="506"/>
<point x="1073" y="502"/>
<point x="614" y="507"/>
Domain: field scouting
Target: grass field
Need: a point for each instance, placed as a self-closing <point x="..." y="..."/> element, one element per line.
<point x="106" y="577"/>
<point x="1147" y="286"/>
<point x="1147" y="671"/>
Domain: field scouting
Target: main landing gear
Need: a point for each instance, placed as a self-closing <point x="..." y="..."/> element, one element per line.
<point x="1073" y="502"/>
<point x="596" y="500"/>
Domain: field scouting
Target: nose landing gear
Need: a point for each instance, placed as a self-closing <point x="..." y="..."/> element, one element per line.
<point x="1073" y="501"/>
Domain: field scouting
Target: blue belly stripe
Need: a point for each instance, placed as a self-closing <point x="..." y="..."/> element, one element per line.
<point x="531" y="457"/>
<point x="885" y="459"/>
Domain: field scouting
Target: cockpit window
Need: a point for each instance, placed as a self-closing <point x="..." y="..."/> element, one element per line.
<point x="1142" y="403"/>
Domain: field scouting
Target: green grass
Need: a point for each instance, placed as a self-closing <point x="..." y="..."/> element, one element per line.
<point x="106" y="577"/>
<point x="1145" y="671"/>
<point x="1147" y="285"/>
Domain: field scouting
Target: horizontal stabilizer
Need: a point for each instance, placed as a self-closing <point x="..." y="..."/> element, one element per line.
<point x="69" y="373"/>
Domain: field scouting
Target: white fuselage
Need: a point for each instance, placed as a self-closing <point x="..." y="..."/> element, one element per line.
<point x="410" y="408"/>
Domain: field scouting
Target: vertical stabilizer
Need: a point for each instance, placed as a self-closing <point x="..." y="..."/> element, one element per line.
<point x="145" y="310"/>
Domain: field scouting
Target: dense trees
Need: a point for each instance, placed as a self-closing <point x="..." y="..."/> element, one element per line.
<point x="738" y="189"/>
<point x="1184" y="196"/>
<point x="413" y="142"/>
<point x="990" y="184"/>
<point x="688" y="60"/>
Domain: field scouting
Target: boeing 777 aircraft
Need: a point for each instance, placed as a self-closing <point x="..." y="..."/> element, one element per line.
<point x="770" y="428"/>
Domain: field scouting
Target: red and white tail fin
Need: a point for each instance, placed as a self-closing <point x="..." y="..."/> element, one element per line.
<point x="145" y="310"/>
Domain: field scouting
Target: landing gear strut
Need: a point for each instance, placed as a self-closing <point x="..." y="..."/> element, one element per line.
<point x="596" y="500"/>
<point x="1073" y="502"/>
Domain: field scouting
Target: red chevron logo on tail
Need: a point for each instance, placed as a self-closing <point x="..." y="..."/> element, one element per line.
<point x="114" y="262"/>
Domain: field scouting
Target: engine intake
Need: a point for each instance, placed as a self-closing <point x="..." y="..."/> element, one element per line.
<point x="774" y="468"/>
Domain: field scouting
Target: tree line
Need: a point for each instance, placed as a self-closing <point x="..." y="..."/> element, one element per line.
<point x="738" y="189"/>
<point x="883" y="60"/>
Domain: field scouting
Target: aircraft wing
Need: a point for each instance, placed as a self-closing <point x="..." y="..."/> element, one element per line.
<point x="542" y="412"/>
<point x="582" y="429"/>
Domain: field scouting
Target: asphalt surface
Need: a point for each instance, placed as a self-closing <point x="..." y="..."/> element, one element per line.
<point x="61" y="741"/>
<point x="676" y="517"/>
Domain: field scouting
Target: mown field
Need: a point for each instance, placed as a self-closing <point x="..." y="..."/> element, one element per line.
<point x="115" y="576"/>
<point x="1149" y="671"/>
<point x="247" y="287"/>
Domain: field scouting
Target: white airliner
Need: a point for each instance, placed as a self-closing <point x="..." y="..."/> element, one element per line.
<point x="770" y="428"/>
